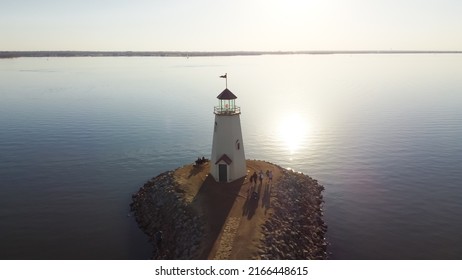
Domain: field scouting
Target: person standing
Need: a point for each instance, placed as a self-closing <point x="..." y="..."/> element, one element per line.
<point x="261" y="177"/>
<point x="255" y="176"/>
<point x="270" y="176"/>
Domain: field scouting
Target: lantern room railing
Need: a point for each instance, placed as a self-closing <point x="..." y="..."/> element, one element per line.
<point x="218" y="110"/>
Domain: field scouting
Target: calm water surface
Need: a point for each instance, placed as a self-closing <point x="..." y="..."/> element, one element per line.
<point x="382" y="133"/>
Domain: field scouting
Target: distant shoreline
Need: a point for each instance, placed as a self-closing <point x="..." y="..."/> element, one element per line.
<point x="17" y="54"/>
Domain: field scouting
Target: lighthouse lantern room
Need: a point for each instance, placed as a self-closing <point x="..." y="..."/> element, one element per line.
<point x="227" y="162"/>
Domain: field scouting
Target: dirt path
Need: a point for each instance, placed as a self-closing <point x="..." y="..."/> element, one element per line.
<point x="233" y="218"/>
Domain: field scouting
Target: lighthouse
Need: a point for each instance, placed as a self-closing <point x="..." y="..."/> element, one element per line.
<point x="227" y="162"/>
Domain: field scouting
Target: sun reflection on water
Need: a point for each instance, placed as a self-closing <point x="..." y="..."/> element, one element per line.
<point x="293" y="131"/>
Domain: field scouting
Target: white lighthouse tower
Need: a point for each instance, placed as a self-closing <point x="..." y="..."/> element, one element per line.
<point x="227" y="162"/>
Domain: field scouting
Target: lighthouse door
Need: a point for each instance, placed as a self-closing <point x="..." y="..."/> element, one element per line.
<point x="223" y="173"/>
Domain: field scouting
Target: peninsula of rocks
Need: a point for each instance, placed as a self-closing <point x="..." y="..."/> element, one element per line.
<point x="188" y="215"/>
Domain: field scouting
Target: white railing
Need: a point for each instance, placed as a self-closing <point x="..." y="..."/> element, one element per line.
<point x="226" y="111"/>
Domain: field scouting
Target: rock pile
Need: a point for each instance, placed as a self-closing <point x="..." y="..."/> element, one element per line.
<point x="296" y="228"/>
<point x="160" y="206"/>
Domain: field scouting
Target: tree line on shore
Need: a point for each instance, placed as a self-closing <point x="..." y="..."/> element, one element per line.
<point x="15" y="54"/>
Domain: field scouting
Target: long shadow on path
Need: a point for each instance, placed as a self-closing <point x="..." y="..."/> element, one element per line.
<point x="215" y="201"/>
<point x="253" y="198"/>
<point x="266" y="199"/>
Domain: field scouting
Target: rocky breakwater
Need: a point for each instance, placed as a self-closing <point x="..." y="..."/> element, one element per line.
<point x="202" y="219"/>
<point x="160" y="206"/>
<point x="296" y="228"/>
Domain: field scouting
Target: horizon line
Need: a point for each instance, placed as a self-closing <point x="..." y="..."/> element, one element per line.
<point x="69" y="53"/>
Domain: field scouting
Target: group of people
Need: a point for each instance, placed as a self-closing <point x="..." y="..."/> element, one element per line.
<point x="260" y="176"/>
<point x="200" y="161"/>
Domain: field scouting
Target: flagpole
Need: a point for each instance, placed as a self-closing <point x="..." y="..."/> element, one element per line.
<point x="226" y="78"/>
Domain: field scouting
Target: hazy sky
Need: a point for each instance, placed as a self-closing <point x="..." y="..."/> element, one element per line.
<point x="219" y="25"/>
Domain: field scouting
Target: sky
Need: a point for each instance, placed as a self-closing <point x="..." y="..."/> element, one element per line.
<point x="230" y="25"/>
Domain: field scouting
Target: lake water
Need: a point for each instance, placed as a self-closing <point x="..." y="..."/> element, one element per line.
<point x="382" y="133"/>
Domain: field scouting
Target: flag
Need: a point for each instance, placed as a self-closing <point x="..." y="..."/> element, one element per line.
<point x="224" y="76"/>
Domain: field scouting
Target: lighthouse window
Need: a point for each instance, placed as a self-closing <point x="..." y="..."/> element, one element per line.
<point x="238" y="145"/>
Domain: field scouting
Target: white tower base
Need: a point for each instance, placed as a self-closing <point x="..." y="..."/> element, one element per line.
<point x="227" y="162"/>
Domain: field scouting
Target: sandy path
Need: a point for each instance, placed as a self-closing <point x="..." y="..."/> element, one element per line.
<point x="233" y="218"/>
